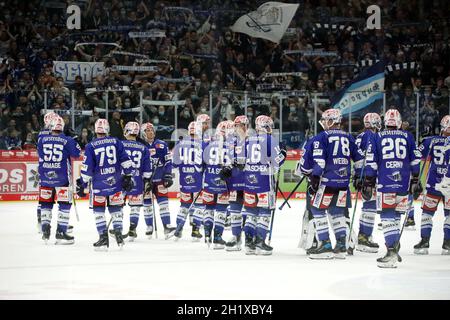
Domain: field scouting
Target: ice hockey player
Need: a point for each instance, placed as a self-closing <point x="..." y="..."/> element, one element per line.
<point x="47" y="119"/>
<point x="187" y="157"/>
<point x="395" y="159"/>
<point x="264" y="158"/>
<point x="55" y="151"/>
<point x="236" y="180"/>
<point x="108" y="168"/>
<point x="142" y="182"/>
<point x="372" y="124"/>
<point x="204" y="121"/>
<point x="215" y="190"/>
<point x="332" y="154"/>
<point x="435" y="147"/>
<point x="162" y="180"/>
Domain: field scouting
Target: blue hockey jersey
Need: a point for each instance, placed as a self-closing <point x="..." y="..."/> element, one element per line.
<point x="363" y="142"/>
<point x="306" y="161"/>
<point x="215" y="156"/>
<point x="333" y="151"/>
<point x="438" y="165"/>
<point x="161" y="159"/>
<point x="395" y="158"/>
<point x="54" y="153"/>
<point x="263" y="160"/>
<point x="187" y="157"/>
<point x="142" y="166"/>
<point x="237" y="151"/>
<point x="104" y="161"/>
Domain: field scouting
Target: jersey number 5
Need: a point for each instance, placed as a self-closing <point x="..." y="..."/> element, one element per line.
<point x="52" y="152"/>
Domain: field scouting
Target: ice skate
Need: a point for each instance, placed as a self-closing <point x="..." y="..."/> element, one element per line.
<point x="422" y="247"/>
<point x="178" y="233"/>
<point x="390" y="260"/>
<point x="234" y="244"/>
<point x="313" y="247"/>
<point x="103" y="243"/>
<point x="169" y="231"/>
<point x="410" y="224"/>
<point x="64" y="238"/>
<point x="208" y="239"/>
<point x="196" y="235"/>
<point x="365" y="244"/>
<point x="262" y="249"/>
<point x="69" y="229"/>
<point x="446" y="247"/>
<point x="39" y="225"/>
<point x="218" y="242"/>
<point x="46" y="232"/>
<point x="132" y="234"/>
<point x="119" y="238"/>
<point x="250" y="247"/>
<point x="323" y="251"/>
<point x="340" y="249"/>
<point x="149" y="232"/>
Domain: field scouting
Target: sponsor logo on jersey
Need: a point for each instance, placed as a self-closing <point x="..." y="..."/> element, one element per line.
<point x="46" y="194"/>
<point x="110" y="181"/>
<point x="152" y="151"/>
<point x="395" y="176"/>
<point x="342" y="172"/>
<point x="189" y="179"/>
<point x="51" y="174"/>
<point x="252" y="179"/>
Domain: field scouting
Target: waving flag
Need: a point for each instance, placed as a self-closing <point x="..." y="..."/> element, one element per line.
<point x="269" y="21"/>
<point x="363" y="94"/>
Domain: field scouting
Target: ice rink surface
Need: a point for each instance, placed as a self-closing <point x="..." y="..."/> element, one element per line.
<point x="164" y="269"/>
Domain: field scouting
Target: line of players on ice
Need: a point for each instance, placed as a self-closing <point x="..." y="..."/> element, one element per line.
<point x="233" y="173"/>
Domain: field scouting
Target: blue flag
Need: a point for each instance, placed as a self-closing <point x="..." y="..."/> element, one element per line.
<point x="363" y="94"/>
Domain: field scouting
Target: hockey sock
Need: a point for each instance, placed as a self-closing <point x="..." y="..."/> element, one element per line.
<point x="134" y="214"/>
<point x="148" y="215"/>
<point x="250" y="224"/>
<point x="100" y="219"/>
<point x="390" y="227"/>
<point x="117" y="217"/>
<point x="321" y="223"/>
<point x="447" y="225"/>
<point x="198" y="212"/>
<point x="63" y="216"/>
<point x="46" y="213"/>
<point x="164" y="213"/>
<point x="38" y="211"/>
<point x="236" y="218"/>
<point x="426" y="224"/>
<point x="339" y="226"/>
<point x="411" y="211"/>
<point x="182" y="215"/>
<point x="208" y="219"/>
<point x="367" y="219"/>
<point x="220" y="216"/>
<point x="262" y="225"/>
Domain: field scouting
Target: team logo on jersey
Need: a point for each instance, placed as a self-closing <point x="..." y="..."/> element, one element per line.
<point x="189" y="179"/>
<point x="152" y="151"/>
<point x="159" y="145"/>
<point x="218" y="181"/>
<point x="110" y="181"/>
<point x="252" y="179"/>
<point x="395" y="176"/>
<point x="342" y="172"/>
<point x="51" y="175"/>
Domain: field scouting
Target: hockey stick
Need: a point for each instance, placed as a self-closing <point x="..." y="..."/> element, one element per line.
<point x="291" y="194"/>
<point x="272" y="216"/>
<point x="153" y="197"/>
<point x="286" y="201"/>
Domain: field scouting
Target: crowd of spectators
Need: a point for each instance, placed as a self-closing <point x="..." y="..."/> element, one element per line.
<point x="206" y="56"/>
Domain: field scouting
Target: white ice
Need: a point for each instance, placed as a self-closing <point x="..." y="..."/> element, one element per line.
<point x="164" y="269"/>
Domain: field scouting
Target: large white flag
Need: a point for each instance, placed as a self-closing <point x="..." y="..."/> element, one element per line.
<point x="269" y="21"/>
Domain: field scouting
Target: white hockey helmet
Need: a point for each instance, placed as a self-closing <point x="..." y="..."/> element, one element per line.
<point x="101" y="126"/>
<point x="192" y="127"/>
<point x="330" y="117"/>
<point x="56" y="124"/>
<point x="372" y="120"/>
<point x="445" y="124"/>
<point x="48" y="118"/>
<point x="203" y="118"/>
<point x="264" y="123"/>
<point x="225" y="128"/>
<point x="393" y="118"/>
<point x="241" y="120"/>
<point x="146" y="126"/>
<point x="131" y="128"/>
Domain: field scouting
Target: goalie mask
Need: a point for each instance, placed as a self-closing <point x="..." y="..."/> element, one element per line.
<point x="392" y="118"/>
<point x="330" y="117"/>
<point x="372" y="121"/>
<point x="101" y="126"/>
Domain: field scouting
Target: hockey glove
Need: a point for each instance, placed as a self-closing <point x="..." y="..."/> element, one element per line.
<point x="127" y="183"/>
<point x="357" y="183"/>
<point x="80" y="188"/>
<point x="367" y="188"/>
<point x="225" y="172"/>
<point x="283" y="149"/>
<point x="239" y="165"/>
<point x="415" y="187"/>
<point x="148" y="185"/>
<point x="167" y="180"/>
<point x="314" y="182"/>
